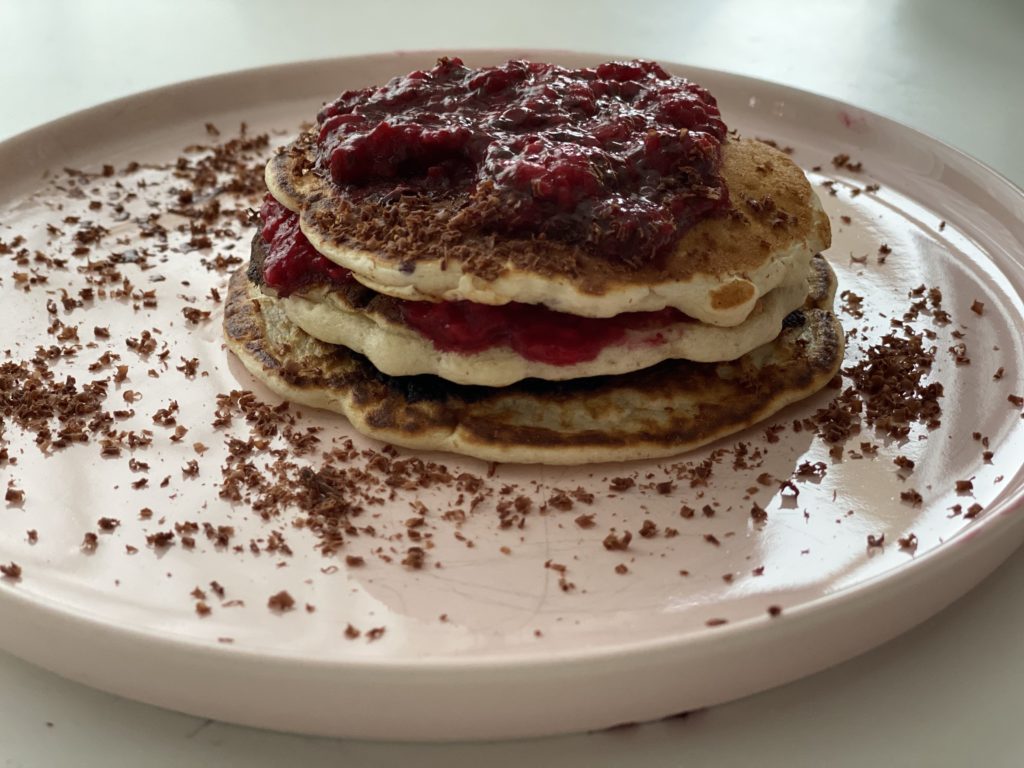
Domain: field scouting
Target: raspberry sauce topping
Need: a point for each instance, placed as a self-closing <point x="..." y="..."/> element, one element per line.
<point x="621" y="159"/>
<point x="292" y="262"/>
<point x="535" y="332"/>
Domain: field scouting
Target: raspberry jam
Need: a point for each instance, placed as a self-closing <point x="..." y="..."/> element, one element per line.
<point x="291" y="261"/>
<point x="535" y="332"/>
<point x="621" y="159"/>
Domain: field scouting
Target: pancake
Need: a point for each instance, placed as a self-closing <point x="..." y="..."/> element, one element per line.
<point x="659" y="411"/>
<point x="415" y="247"/>
<point x="372" y="324"/>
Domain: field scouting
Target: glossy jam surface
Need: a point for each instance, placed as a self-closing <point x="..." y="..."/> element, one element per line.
<point x="535" y="332"/>
<point x="621" y="158"/>
<point x="291" y="262"/>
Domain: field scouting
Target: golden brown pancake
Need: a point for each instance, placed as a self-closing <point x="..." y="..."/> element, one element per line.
<point x="659" y="411"/>
<point x="417" y="247"/>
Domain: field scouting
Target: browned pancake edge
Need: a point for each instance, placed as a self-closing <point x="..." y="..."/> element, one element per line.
<point x="661" y="411"/>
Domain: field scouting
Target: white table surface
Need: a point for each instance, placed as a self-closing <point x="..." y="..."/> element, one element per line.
<point x="951" y="692"/>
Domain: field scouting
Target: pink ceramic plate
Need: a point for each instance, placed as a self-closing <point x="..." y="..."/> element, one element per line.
<point x="515" y="654"/>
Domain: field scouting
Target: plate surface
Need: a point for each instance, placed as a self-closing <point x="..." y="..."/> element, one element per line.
<point x="524" y="647"/>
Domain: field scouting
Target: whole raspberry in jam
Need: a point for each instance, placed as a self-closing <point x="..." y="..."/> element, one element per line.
<point x="622" y="158"/>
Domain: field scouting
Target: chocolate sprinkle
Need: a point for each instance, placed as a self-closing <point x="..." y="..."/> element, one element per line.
<point x="11" y="571"/>
<point x="281" y="602"/>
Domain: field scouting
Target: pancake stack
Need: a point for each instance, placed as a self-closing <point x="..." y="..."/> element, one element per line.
<point x="531" y="264"/>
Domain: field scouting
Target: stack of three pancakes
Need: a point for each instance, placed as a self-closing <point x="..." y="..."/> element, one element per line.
<point x="429" y="334"/>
